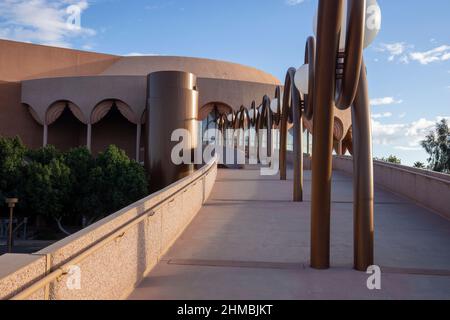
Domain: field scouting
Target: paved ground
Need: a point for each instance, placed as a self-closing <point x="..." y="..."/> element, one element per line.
<point x="250" y="242"/>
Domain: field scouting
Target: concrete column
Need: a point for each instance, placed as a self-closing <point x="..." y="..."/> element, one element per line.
<point x="172" y="104"/>
<point x="138" y="141"/>
<point x="45" y="136"/>
<point x="89" y="137"/>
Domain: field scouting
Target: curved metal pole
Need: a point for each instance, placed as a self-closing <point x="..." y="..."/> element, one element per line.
<point x="363" y="177"/>
<point x="310" y="59"/>
<point x="283" y="135"/>
<point x="347" y="87"/>
<point x="292" y="113"/>
<point x="265" y="121"/>
<point x="286" y="117"/>
<point x="298" y="149"/>
<point x="329" y="19"/>
<point x="353" y="90"/>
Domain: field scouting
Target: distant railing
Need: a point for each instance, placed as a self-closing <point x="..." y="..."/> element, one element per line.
<point x="194" y="190"/>
<point x="426" y="188"/>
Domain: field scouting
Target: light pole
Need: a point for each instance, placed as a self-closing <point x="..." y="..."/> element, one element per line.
<point x="11" y="202"/>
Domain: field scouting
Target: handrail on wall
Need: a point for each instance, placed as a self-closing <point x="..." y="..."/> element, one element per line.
<point x="115" y="236"/>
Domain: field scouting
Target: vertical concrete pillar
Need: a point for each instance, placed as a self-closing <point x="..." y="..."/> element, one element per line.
<point x="45" y="136"/>
<point x="172" y="103"/>
<point x="89" y="137"/>
<point x="138" y="141"/>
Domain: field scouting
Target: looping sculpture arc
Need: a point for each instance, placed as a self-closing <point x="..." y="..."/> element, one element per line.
<point x="336" y="79"/>
<point x="340" y="80"/>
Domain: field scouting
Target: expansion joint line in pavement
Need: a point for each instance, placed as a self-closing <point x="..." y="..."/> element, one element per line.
<point x="293" y="266"/>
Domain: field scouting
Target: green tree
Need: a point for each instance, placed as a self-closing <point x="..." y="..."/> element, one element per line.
<point x="80" y="162"/>
<point x="419" y="165"/>
<point x="391" y="159"/>
<point x="12" y="151"/>
<point x="115" y="182"/>
<point x="46" y="188"/>
<point x="44" y="155"/>
<point x="437" y="145"/>
<point x="58" y="185"/>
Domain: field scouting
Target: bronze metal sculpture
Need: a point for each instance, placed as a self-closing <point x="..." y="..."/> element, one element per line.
<point x="344" y="90"/>
<point x="336" y="79"/>
<point x="292" y="113"/>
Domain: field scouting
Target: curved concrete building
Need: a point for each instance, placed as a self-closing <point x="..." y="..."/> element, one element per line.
<point x="71" y="98"/>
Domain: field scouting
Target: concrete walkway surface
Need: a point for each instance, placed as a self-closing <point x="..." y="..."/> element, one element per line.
<point x="251" y="242"/>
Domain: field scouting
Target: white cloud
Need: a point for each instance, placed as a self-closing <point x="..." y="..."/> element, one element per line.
<point x="403" y="53"/>
<point x="381" y="115"/>
<point x="441" y="53"/>
<point x="41" y="21"/>
<point x="294" y="2"/>
<point x="385" y="134"/>
<point x="385" y="101"/>
<point x="402" y="148"/>
<point x="139" y="54"/>
<point x="395" y="50"/>
<point x="417" y="131"/>
<point x="406" y="136"/>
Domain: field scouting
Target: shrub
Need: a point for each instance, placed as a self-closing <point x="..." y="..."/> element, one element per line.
<point x="115" y="182"/>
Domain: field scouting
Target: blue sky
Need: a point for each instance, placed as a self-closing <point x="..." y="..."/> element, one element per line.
<point x="408" y="64"/>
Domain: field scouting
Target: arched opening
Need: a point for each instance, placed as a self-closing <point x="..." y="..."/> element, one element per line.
<point x="112" y="124"/>
<point x="347" y="143"/>
<point x="209" y="115"/>
<point x="66" y="129"/>
<point x="338" y="136"/>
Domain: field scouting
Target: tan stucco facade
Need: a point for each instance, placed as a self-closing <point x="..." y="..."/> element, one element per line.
<point x="64" y="97"/>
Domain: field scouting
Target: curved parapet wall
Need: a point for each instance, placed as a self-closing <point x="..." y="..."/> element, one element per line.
<point x="426" y="188"/>
<point x="203" y="68"/>
<point x="33" y="86"/>
<point x="113" y="254"/>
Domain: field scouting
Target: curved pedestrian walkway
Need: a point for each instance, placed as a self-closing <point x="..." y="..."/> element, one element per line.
<point x="251" y="242"/>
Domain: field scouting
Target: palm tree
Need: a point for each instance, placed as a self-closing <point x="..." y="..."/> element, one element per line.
<point x="437" y="145"/>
